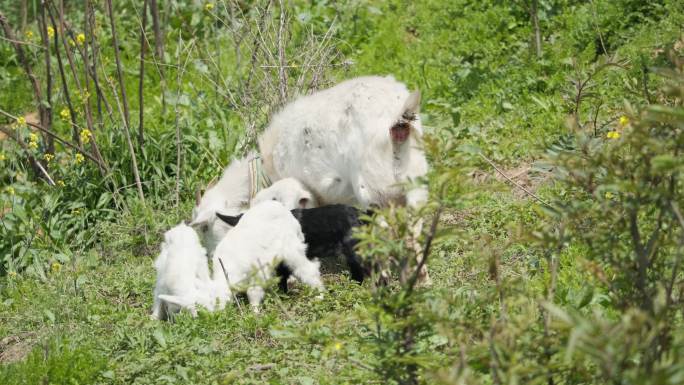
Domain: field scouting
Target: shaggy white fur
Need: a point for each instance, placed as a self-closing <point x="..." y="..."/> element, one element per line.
<point x="289" y="191"/>
<point x="183" y="279"/>
<point x="266" y="235"/>
<point x="341" y="143"/>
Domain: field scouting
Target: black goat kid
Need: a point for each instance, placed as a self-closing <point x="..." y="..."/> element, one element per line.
<point x="327" y="232"/>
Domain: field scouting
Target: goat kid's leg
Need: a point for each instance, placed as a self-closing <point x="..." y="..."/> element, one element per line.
<point x="284" y="273"/>
<point x="255" y="294"/>
<point x="353" y="261"/>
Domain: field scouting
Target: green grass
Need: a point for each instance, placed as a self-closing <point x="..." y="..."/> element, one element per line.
<point x="86" y="320"/>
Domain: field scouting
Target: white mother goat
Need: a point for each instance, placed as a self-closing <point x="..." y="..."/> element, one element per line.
<point x="354" y="143"/>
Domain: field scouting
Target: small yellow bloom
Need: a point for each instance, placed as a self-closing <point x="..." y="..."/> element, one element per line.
<point x="48" y="157"/>
<point x="10" y="190"/>
<point x="55" y="267"/>
<point x="29" y="34"/>
<point x="33" y="145"/>
<point x="2" y="157"/>
<point x="65" y="114"/>
<point x="613" y="135"/>
<point x="80" y="38"/>
<point x="209" y="6"/>
<point x="85" y="136"/>
<point x="624" y="120"/>
<point x="60" y="183"/>
<point x="21" y="121"/>
<point x="338" y="346"/>
<point x="33" y="137"/>
<point x="609" y="195"/>
<point x="50" y="32"/>
<point x="72" y="43"/>
<point x="79" y="158"/>
<point x="12" y="274"/>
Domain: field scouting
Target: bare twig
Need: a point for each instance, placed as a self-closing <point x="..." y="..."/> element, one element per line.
<point x="32" y="158"/>
<point x="141" y="75"/>
<point x="127" y="132"/>
<point x="528" y="192"/>
<point x="54" y="136"/>
<point x="282" y="74"/>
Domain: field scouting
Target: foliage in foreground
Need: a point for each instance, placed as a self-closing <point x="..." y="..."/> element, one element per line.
<point x="579" y="284"/>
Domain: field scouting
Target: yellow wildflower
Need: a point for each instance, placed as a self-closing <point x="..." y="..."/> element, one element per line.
<point x="10" y="190"/>
<point x="79" y="158"/>
<point x="613" y="135"/>
<point x="209" y="6"/>
<point x="624" y="120"/>
<point x="60" y="183"/>
<point x="33" y="145"/>
<point x="2" y="157"/>
<point x="65" y="114"/>
<point x="609" y="195"/>
<point x="85" y="136"/>
<point x="29" y="34"/>
<point x="33" y="137"/>
<point x="48" y="157"/>
<point x="80" y="38"/>
<point x="21" y="121"/>
<point x="338" y="346"/>
<point x="12" y="274"/>
<point x="50" y="31"/>
<point x="55" y="267"/>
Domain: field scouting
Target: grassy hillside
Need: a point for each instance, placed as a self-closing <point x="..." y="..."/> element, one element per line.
<point x="537" y="276"/>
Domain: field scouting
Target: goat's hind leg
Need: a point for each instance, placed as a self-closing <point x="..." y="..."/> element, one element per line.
<point x="358" y="272"/>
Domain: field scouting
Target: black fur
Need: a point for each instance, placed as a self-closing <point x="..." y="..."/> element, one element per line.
<point x="327" y="232"/>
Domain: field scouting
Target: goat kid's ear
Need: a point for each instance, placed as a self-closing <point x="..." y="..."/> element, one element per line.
<point x="303" y="202"/>
<point x="412" y="104"/>
<point x="185" y="302"/>
<point x="229" y="219"/>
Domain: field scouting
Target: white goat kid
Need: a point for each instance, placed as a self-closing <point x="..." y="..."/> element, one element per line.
<point x="354" y="143"/>
<point x="183" y="279"/>
<point x="232" y="194"/>
<point x="266" y="235"/>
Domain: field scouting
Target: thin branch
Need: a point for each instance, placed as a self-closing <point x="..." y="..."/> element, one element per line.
<point x="55" y="136"/>
<point x="528" y="192"/>
<point x="32" y="158"/>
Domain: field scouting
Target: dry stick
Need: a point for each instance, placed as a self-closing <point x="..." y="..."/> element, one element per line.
<point x="54" y="136"/>
<point x="282" y="75"/>
<point x="37" y="93"/>
<point x="528" y="192"/>
<point x="141" y="79"/>
<point x="136" y="174"/>
<point x="117" y="58"/>
<point x="102" y="99"/>
<point x="65" y="87"/>
<point x="14" y="41"/>
<point x="32" y="159"/>
<point x="48" y="66"/>
<point x="158" y="37"/>
<point x="89" y="28"/>
<point x="89" y="115"/>
<point x="534" y="13"/>
<point x="180" y="72"/>
<point x="228" y="282"/>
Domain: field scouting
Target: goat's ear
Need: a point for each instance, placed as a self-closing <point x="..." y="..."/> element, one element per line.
<point x="198" y="196"/>
<point x="412" y="104"/>
<point x="202" y="217"/>
<point x="229" y="219"/>
<point x="185" y="302"/>
<point x="303" y="202"/>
